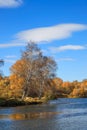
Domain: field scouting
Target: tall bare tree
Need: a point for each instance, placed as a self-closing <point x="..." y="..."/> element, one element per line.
<point x="35" y="70"/>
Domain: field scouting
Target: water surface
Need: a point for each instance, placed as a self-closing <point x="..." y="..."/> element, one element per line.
<point x="61" y="114"/>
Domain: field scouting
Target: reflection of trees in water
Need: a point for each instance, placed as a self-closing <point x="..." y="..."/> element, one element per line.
<point x="25" y="116"/>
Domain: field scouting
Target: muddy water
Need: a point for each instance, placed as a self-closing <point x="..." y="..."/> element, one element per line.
<point x="61" y="114"/>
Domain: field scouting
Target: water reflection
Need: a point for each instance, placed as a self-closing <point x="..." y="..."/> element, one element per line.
<point x="32" y="115"/>
<point x="61" y="114"/>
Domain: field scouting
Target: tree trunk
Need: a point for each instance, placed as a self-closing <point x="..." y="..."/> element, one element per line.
<point x="23" y="95"/>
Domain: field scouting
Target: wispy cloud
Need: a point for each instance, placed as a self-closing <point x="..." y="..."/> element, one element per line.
<point x="45" y="34"/>
<point x="10" y="3"/>
<point x="51" y="33"/>
<point x="10" y="56"/>
<point x="66" y="48"/>
<point x="7" y="45"/>
<point x="9" y="61"/>
<point x="65" y="59"/>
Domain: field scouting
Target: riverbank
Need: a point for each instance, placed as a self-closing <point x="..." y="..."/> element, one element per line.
<point x="18" y="102"/>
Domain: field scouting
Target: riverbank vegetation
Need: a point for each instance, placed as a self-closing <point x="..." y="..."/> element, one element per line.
<point x="33" y="80"/>
<point x="11" y="96"/>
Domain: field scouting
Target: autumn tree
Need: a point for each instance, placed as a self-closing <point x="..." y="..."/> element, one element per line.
<point x="16" y="86"/>
<point x="34" y="69"/>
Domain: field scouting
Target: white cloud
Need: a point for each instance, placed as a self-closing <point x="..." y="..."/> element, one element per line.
<point x="9" y="61"/>
<point x="51" y="33"/>
<point x="7" y="45"/>
<point x="65" y="59"/>
<point x="66" y="47"/>
<point x="46" y="34"/>
<point x="10" y="3"/>
<point x="10" y="56"/>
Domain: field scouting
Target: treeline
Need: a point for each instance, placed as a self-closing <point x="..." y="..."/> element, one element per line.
<point x="11" y="87"/>
<point x="73" y="89"/>
<point x="34" y="75"/>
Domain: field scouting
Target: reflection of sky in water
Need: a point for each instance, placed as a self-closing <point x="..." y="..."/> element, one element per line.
<point x="61" y="114"/>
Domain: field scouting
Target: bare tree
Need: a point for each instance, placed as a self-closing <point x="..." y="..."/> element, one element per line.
<point x="30" y="56"/>
<point x="45" y="70"/>
<point x="35" y="70"/>
<point x="1" y="63"/>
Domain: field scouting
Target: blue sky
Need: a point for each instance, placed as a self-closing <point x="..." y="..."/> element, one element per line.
<point x="59" y="27"/>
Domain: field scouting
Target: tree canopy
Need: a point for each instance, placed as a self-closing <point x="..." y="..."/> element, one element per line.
<point x="34" y="69"/>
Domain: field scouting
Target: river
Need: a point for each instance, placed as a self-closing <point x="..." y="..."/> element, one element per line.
<point x="61" y="114"/>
